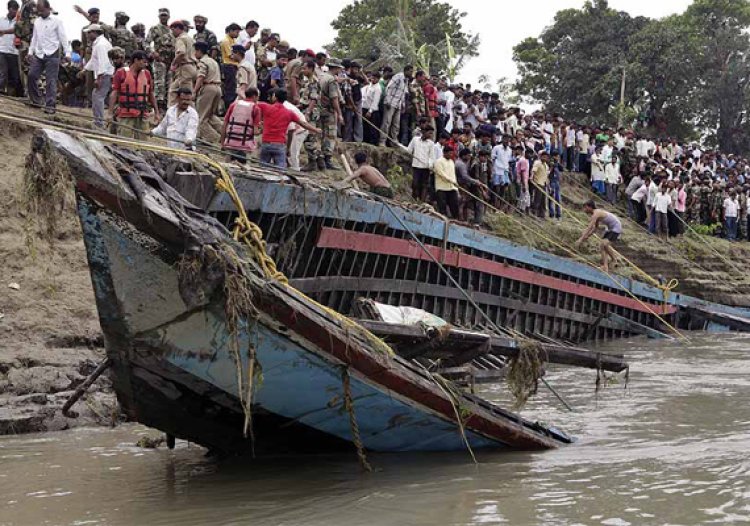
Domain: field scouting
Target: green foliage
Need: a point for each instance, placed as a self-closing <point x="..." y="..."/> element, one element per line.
<point x="575" y="65"/>
<point x="706" y="230"/>
<point x="684" y="72"/>
<point x="427" y="33"/>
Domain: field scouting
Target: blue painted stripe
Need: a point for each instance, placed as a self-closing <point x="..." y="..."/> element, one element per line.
<point x="275" y="197"/>
<point x="302" y="386"/>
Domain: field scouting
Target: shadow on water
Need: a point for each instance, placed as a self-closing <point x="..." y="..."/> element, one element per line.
<point x="672" y="448"/>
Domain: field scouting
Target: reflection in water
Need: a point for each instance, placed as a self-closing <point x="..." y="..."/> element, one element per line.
<point x="669" y="449"/>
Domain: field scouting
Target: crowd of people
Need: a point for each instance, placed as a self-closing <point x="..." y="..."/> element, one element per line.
<point x="182" y="81"/>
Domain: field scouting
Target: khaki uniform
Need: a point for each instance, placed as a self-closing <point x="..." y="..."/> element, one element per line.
<point x="246" y="75"/>
<point x="184" y="76"/>
<point x="329" y="91"/>
<point x="209" y="127"/>
<point x="160" y="36"/>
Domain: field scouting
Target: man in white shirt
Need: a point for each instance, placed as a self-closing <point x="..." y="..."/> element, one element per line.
<point x="638" y="199"/>
<point x="9" y="72"/>
<point x="423" y="157"/>
<point x="371" y="95"/>
<point x="102" y="68"/>
<point x="44" y="55"/>
<point x="731" y="211"/>
<point x="662" y="206"/>
<point x="299" y="134"/>
<point x="500" y="160"/>
<point x="612" y="178"/>
<point x="245" y="39"/>
<point x="180" y="122"/>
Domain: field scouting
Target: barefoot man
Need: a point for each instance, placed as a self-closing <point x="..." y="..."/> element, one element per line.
<point x="613" y="231"/>
<point x="366" y="173"/>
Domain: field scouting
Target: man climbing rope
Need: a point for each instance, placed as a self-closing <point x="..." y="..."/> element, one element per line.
<point x="613" y="231"/>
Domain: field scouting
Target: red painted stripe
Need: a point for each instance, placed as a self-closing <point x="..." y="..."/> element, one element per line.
<point x="374" y="243"/>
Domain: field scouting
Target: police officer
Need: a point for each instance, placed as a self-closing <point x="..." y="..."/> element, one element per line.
<point x="207" y="94"/>
<point x="183" y="66"/>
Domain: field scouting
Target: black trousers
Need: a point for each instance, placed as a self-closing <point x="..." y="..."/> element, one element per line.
<point x="371" y="128"/>
<point x="229" y="74"/>
<point x="10" y="76"/>
<point x="448" y="200"/>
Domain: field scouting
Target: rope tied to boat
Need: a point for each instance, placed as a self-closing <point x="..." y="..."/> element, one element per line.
<point x="349" y="406"/>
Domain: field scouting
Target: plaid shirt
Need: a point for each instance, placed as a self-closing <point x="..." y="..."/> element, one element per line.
<point x="395" y="92"/>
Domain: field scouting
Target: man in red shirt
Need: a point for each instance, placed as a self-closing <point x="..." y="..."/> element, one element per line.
<point x="276" y="119"/>
<point x="132" y="99"/>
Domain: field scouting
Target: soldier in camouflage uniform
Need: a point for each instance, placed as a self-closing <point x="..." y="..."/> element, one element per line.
<point x="120" y="35"/>
<point x="92" y="15"/>
<point x="139" y="30"/>
<point x="161" y="40"/>
<point x="204" y="35"/>
<point x="330" y="114"/>
<point x="705" y="205"/>
<point x="693" y="205"/>
<point x="23" y="31"/>
<point x="309" y="103"/>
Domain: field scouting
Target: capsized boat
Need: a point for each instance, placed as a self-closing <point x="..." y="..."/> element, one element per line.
<point x="271" y="369"/>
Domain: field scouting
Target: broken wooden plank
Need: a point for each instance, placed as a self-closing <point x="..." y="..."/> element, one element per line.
<point x="637" y="328"/>
<point x="736" y="323"/>
<point x="504" y="346"/>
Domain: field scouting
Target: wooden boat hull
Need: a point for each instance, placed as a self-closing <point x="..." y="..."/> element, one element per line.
<point x="173" y="368"/>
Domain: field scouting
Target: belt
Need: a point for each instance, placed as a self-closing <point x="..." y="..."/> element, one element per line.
<point x="212" y="83"/>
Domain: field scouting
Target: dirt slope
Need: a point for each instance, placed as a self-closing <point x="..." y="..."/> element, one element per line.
<point x="49" y="335"/>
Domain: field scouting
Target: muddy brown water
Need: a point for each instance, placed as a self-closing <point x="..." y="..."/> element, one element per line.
<point x="671" y="449"/>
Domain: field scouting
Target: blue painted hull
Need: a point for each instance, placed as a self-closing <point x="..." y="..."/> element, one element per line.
<point x="164" y="353"/>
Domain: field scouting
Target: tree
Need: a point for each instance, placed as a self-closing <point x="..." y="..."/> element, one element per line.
<point x="427" y="33"/>
<point x="664" y="67"/>
<point x="724" y="79"/>
<point x="575" y="65"/>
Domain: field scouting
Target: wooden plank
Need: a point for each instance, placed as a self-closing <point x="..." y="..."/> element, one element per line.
<point x="508" y="347"/>
<point x="637" y="328"/>
<point x="736" y="323"/>
<point x="325" y="284"/>
<point x="363" y="242"/>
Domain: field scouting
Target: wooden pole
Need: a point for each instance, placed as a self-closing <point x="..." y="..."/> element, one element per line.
<point x="622" y="99"/>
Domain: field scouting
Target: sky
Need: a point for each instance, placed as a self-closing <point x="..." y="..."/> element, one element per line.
<point x="501" y="24"/>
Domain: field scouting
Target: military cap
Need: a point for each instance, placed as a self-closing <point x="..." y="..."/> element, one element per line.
<point x="94" y="11"/>
<point x="334" y="63"/>
<point x="201" y="46"/>
<point x="186" y="23"/>
<point x="265" y="31"/>
<point x="284" y="44"/>
<point x="121" y="14"/>
<point x="200" y="18"/>
<point x="163" y="11"/>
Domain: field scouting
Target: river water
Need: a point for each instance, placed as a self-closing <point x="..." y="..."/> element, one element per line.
<point x="671" y="449"/>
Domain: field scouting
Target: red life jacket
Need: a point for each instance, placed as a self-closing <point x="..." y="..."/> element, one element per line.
<point x="133" y="98"/>
<point x="240" y="128"/>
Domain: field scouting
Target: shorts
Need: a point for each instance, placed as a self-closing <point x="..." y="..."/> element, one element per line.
<point x="383" y="191"/>
<point x="611" y="236"/>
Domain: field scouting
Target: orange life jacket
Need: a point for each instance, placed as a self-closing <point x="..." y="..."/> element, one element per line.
<point x="133" y="100"/>
<point x="240" y="132"/>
